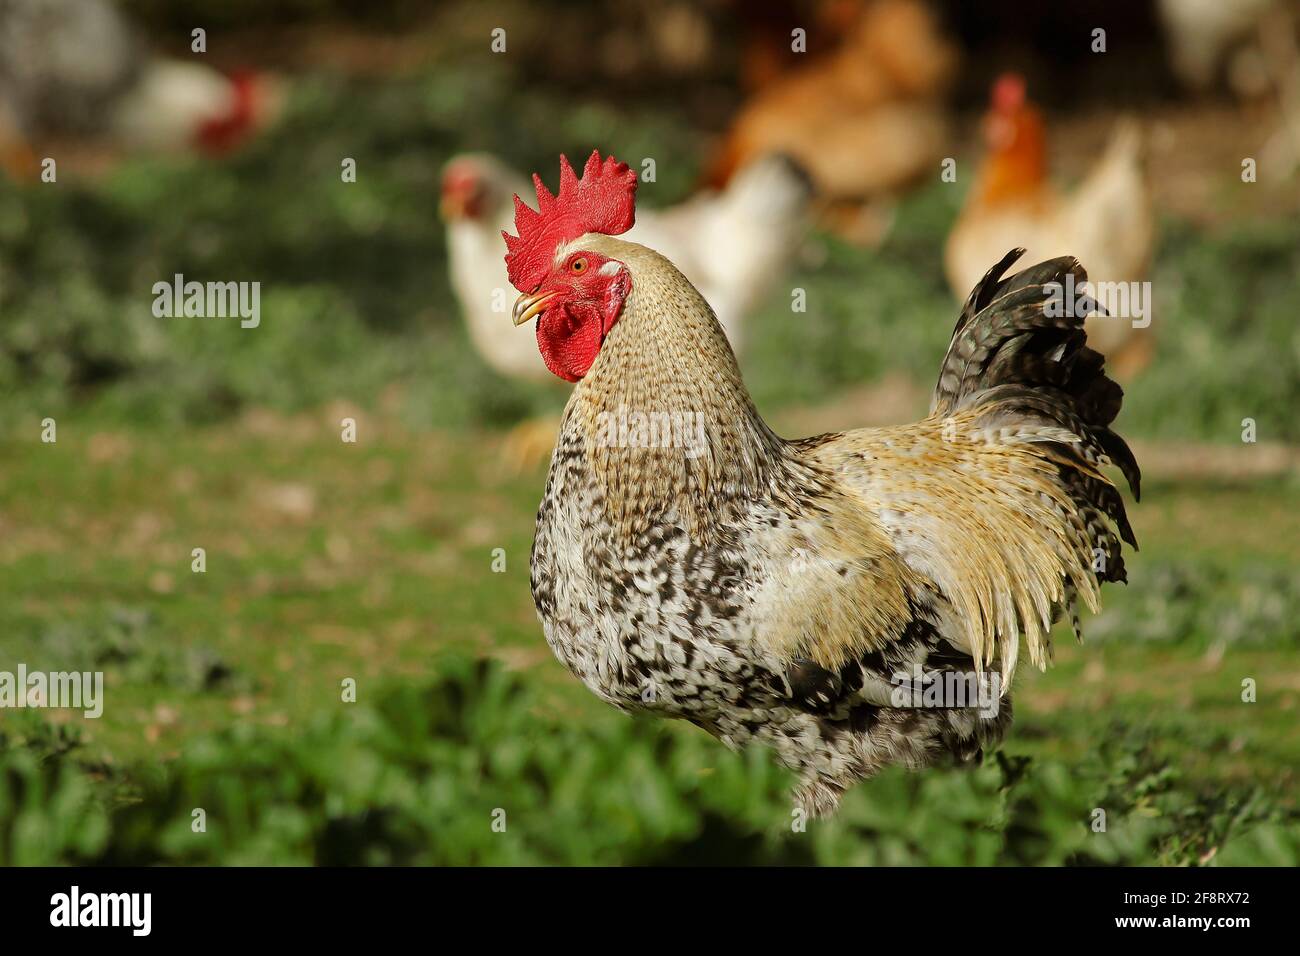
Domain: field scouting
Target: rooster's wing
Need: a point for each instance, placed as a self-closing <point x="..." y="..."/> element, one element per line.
<point x="984" y="521"/>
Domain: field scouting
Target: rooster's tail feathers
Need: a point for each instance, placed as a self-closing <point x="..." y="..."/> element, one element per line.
<point x="1019" y="358"/>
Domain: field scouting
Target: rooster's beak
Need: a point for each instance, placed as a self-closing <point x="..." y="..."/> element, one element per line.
<point x="529" y="304"/>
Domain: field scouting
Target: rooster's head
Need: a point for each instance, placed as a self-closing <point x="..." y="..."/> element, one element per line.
<point x="576" y="293"/>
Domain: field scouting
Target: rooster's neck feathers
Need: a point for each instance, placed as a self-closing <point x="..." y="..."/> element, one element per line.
<point x="667" y="359"/>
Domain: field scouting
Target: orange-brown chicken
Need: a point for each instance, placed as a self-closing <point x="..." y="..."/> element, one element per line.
<point x="863" y="120"/>
<point x="766" y="52"/>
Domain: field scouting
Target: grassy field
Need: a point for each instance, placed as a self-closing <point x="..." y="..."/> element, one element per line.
<point x="374" y="560"/>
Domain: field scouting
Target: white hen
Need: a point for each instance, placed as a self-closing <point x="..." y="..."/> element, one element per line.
<point x="76" y="68"/>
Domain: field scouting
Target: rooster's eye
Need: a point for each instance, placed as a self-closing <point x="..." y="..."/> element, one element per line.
<point x="578" y="265"/>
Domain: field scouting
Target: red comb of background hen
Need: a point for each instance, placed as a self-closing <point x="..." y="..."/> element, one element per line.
<point x="1008" y="92"/>
<point x="604" y="200"/>
<point x="221" y="134"/>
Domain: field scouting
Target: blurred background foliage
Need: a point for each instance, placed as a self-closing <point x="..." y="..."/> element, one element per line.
<point x="354" y="276"/>
<point x="360" y="302"/>
<point x="330" y="561"/>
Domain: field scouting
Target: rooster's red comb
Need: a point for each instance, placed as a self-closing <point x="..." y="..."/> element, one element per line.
<point x="604" y="200"/>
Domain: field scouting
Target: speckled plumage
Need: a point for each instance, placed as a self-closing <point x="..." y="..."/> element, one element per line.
<point x="772" y="591"/>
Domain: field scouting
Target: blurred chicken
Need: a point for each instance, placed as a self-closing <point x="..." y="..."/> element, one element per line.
<point x="1107" y="221"/>
<point x="1280" y="50"/>
<point x="74" y="68"/>
<point x="766" y="33"/>
<point x="734" y="244"/>
<point x="863" y="120"/>
<point x="1202" y="35"/>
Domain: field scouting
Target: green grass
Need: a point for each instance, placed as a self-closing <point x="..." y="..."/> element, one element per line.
<point x="374" y="561"/>
<point x="473" y="768"/>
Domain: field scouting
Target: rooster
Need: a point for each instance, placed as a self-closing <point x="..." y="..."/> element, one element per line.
<point x="802" y="594"/>
<point x="733" y="244"/>
<point x="76" y="68"/>
<point x="1107" y="221"/>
